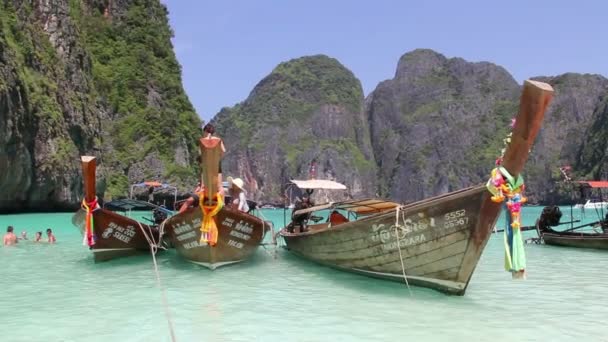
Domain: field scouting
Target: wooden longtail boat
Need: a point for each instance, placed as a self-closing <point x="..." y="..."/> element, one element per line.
<point x="433" y="243"/>
<point x="574" y="236"/>
<point x="114" y="235"/>
<point x="575" y="239"/>
<point x="238" y="233"/>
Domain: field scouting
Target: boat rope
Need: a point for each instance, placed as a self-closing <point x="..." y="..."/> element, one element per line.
<point x="399" y="247"/>
<point x="271" y="230"/>
<point x="153" y="249"/>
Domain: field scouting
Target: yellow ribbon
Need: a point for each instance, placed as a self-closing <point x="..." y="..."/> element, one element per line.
<point x="209" y="232"/>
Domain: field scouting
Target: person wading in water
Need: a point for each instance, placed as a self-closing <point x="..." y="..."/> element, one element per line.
<point x="10" y="238"/>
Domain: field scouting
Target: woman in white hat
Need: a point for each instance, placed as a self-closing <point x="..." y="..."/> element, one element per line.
<point x="237" y="192"/>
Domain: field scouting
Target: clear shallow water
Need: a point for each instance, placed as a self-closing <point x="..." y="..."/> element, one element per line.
<point x="57" y="293"/>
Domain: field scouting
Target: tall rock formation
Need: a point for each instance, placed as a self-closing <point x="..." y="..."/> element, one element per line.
<point x="308" y="109"/>
<point x="592" y="161"/>
<point x="439" y="124"/>
<point x="89" y="77"/>
<point x="573" y="121"/>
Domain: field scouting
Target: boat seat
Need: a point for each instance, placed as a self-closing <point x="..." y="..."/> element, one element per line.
<point x="335" y="218"/>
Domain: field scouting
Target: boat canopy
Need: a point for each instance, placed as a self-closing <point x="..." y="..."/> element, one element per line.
<point x="360" y="207"/>
<point x="318" y="184"/>
<point x="131" y="204"/>
<point x="152" y="184"/>
<point x="155" y="185"/>
<point x="367" y="206"/>
<point x="594" y="184"/>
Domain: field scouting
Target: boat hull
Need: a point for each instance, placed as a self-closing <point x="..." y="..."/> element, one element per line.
<point x="115" y="235"/>
<point x="239" y="235"/>
<point x="579" y="240"/>
<point x="437" y="242"/>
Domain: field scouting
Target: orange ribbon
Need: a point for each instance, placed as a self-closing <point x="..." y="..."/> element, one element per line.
<point x="209" y="233"/>
<point x="89" y="207"/>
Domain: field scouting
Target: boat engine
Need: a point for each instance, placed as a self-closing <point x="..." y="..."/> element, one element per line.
<point x="550" y="216"/>
<point x="159" y="216"/>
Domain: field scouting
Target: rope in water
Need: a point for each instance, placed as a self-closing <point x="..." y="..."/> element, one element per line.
<point x="271" y="229"/>
<point x="399" y="247"/>
<point x="153" y="249"/>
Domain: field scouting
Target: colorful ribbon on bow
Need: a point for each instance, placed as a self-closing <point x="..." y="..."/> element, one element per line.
<point x="209" y="233"/>
<point x="89" y="236"/>
<point x="504" y="186"/>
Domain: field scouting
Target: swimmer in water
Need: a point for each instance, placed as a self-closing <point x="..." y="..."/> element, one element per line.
<point x="23" y="236"/>
<point x="38" y="237"/>
<point x="51" y="237"/>
<point x="10" y="238"/>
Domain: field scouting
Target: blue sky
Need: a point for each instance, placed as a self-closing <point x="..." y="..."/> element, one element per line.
<point x="226" y="47"/>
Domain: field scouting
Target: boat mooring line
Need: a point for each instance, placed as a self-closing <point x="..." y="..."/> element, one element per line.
<point x="399" y="247"/>
<point x="153" y="249"/>
<point x="274" y="237"/>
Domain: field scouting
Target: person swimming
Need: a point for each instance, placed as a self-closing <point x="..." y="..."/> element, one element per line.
<point x="51" y="237"/>
<point x="38" y="237"/>
<point x="10" y="238"/>
<point x="23" y="236"/>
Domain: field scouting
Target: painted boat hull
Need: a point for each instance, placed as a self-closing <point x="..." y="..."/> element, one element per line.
<point x="579" y="240"/>
<point x="239" y="235"/>
<point x="116" y="236"/>
<point x="440" y="239"/>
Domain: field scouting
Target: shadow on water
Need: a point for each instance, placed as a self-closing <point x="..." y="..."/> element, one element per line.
<point x="362" y="284"/>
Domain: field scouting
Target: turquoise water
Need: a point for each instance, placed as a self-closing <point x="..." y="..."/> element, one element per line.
<point x="57" y="293"/>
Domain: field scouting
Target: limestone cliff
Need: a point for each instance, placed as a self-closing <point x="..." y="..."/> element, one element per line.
<point x="308" y="109"/>
<point x="88" y="77"/>
<point x="438" y="125"/>
<point x="592" y="160"/>
<point x="573" y="122"/>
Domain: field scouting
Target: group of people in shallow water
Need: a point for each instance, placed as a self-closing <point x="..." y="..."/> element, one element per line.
<point x="11" y="239"/>
<point x="236" y="189"/>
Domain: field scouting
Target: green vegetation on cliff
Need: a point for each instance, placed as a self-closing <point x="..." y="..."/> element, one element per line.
<point x="89" y="77"/>
<point x="29" y="53"/>
<point x="135" y="71"/>
<point x="292" y="92"/>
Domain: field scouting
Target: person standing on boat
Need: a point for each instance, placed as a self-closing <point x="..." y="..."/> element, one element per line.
<point x="237" y="192"/>
<point x="301" y="220"/>
<point x="10" y="238"/>
<point x="51" y="237"/>
<point x="208" y="133"/>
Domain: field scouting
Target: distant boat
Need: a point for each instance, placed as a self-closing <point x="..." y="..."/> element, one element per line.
<point x="435" y="243"/>
<point x="596" y="238"/>
<point x="113" y="235"/>
<point x="592" y="204"/>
